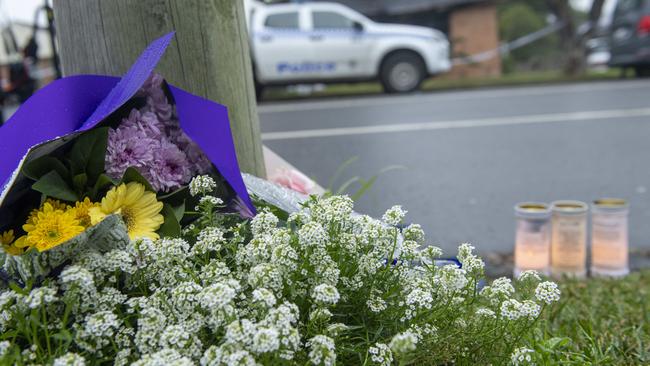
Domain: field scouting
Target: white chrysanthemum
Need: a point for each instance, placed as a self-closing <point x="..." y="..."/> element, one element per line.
<point x="70" y="359"/>
<point x="381" y="354"/>
<point x="522" y="356"/>
<point x="202" y="184"/>
<point x="547" y="292"/>
<point x="326" y="294"/>
<point x="394" y="216"/>
<point x="404" y="342"/>
<point x="322" y="350"/>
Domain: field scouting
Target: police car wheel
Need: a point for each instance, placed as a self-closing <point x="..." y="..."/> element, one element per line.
<point x="402" y="73"/>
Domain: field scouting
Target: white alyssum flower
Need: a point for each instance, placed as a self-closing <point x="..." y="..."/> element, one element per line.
<point x="322" y="350"/>
<point x="76" y="275"/>
<point x="404" y="342"/>
<point x="209" y="239"/>
<point x="265" y="340"/>
<point x="414" y="232"/>
<point x="264" y="296"/>
<point x="511" y="309"/>
<point x="530" y="309"/>
<point x="381" y="354"/>
<point x="210" y="200"/>
<point x="102" y="324"/>
<point x="529" y="275"/>
<point x="326" y="294"/>
<point x="376" y="304"/>
<point x="70" y="359"/>
<point x="164" y="357"/>
<point x="264" y="223"/>
<point x="216" y="296"/>
<point x="522" y="356"/>
<point x="485" y="312"/>
<point x="4" y="348"/>
<point x="394" y="215"/>
<point x="40" y="296"/>
<point x="202" y="184"/>
<point x="547" y="292"/>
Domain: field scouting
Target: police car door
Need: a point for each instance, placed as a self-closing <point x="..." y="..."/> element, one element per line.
<point x="281" y="45"/>
<point x="341" y="48"/>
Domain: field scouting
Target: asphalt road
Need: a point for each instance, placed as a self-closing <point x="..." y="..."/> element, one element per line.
<point x="469" y="156"/>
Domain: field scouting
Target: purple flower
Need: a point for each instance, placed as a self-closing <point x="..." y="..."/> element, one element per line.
<point x="200" y="164"/>
<point x="170" y="168"/>
<point x="146" y="122"/>
<point x="240" y="207"/>
<point x="157" y="101"/>
<point x="128" y="147"/>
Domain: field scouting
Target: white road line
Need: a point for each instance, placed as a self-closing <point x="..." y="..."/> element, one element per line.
<point x="454" y="95"/>
<point x="467" y="123"/>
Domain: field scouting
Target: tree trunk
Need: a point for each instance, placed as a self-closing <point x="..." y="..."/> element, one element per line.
<point x="208" y="57"/>
<point x="571" y="41"/>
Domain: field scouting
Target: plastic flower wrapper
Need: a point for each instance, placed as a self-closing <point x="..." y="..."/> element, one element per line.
<point x="81" y="138"/>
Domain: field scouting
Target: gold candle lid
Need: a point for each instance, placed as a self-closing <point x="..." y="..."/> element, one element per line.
<point x="610" y="204"/>
<point x="569" y="207"/>
<point x="532" y="210"/>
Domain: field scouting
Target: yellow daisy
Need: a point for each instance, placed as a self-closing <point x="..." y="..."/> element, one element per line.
<point x="57" y="205"/>
<point x="82" y="212"/>
<point x="51" y="227"/>
<point x="7" y="241"/>
<point x="139" y="209"/>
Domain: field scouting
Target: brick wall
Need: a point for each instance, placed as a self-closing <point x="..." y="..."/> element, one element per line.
<point x="474" y="29"/>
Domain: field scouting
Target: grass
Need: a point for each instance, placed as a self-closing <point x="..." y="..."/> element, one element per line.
<point x="598" y="322"/>
<point x="445" y="83"/>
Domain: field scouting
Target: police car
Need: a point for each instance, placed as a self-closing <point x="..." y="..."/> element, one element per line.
<point x="328" y="42"/>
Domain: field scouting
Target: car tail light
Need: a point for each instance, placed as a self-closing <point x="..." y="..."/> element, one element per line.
<point x="643" y="29"/>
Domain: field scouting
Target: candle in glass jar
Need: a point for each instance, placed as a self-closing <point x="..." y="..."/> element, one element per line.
<point x="569" y="238"/>
<point x="609" y="237"/>
<point x="532" y="237"/>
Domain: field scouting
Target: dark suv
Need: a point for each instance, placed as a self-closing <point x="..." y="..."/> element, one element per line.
<point x="630" y="36"/>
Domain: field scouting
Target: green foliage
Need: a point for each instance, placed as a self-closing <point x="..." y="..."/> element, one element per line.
<point x="597" y="322"/>
<point x="77" y="175"/>
<point x="517" y="19"/>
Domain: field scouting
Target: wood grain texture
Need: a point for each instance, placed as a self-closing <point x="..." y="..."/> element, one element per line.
<point x="208" y="57"/>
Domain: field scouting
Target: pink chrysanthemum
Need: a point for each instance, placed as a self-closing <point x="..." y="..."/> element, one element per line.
<point x="128" y="147"/>
<point x="170" y="168"/>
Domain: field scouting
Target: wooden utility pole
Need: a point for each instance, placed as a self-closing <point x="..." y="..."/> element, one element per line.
<point x="208" y="57"/>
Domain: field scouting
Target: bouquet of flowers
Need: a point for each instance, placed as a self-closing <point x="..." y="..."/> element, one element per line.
<point x="123" y="175"/>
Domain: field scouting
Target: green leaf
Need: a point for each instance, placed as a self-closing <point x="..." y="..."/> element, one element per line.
<point x="37" y="168"/>
<point x="171" y="227"/>
<point x="179" y="211"/>
<point x="89" y="152"/>
<point x="102" y="181"/>
<point x="52" y="185"/>
<point x="133" y="175"/>
<point x="79" y="182"/>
